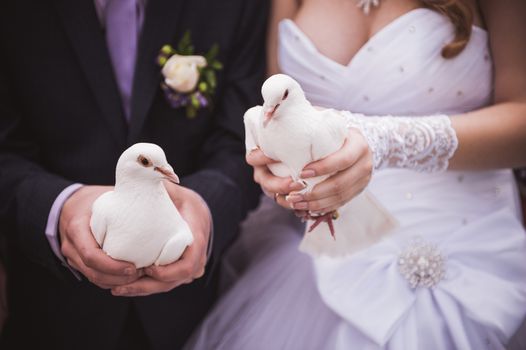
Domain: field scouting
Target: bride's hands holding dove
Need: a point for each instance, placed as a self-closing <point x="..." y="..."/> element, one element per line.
<point x="351" y="167"/>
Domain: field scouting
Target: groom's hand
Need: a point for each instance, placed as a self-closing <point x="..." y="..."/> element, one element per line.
<point x="191" y="265"/>
<point x="81" y="250"/>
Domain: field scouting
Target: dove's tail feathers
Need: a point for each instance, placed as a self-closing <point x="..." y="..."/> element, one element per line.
<point x="251" y="119"/>
<point x="330" y="135"/>
<point x="362" y="222"/>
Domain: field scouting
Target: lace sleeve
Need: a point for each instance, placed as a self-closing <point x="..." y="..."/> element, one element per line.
<point x="423" y="144"/>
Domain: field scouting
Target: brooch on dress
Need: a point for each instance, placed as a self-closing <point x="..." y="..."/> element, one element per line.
<point x="421" y="264"/>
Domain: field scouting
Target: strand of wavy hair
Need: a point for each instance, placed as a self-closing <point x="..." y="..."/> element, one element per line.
<point x="461" y="16"/>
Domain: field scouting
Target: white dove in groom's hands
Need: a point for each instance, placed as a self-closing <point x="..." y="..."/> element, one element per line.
<point x="140" y="222"/>
<point x="137" y="221"/>
<point x="125" y="232"/>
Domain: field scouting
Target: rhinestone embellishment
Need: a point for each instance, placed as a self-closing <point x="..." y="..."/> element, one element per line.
<point x="367" y="5"/>
<point x="421" y="264"/>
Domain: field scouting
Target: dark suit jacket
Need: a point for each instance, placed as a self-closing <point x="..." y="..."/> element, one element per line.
<point x="61" y="122"/>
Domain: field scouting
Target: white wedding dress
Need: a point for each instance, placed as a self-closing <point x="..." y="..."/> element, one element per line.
<point x="285" y="300"/>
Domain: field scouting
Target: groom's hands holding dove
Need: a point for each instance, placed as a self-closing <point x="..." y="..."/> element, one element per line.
<point x="83" y="253"/>
<point x="80" y="249"/>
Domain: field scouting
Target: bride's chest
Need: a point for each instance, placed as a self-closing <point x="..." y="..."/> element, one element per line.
<point x="398" y="70"/>
<point x="339" y="28"/>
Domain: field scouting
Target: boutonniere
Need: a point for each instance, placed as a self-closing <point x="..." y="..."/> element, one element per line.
<point x="189" y="80"/>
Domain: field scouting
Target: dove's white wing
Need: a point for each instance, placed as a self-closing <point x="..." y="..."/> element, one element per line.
<point x="252" y="125"/>
<point x="329" y="135"/>
<point x="99" y="220"/>
<point x="251" y="120"/>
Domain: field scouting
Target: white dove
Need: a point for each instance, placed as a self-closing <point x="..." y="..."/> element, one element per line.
<point x="287" y="128"/>
<point x="137" y="221"/>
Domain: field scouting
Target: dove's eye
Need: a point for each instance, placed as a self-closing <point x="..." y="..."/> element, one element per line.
<point x="144" y="161"/>
<point x="286" y="94"/>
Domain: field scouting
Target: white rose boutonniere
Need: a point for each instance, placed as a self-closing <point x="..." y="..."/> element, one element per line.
<point x="189" y="80"/>
<point x="181" y="73"/>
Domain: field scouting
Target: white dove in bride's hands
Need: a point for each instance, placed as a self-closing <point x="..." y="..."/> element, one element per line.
<point x="137" y="221"/>
<point x="289" y="130"/>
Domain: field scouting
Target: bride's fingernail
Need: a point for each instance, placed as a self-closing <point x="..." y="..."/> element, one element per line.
<point x="296" y="186"/>
<point x="293" y="198"/>
<point x="305" y="174"/>
<point x="301" y="206"/>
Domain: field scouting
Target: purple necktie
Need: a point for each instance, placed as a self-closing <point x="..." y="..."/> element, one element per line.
<point x="122" y="31"/>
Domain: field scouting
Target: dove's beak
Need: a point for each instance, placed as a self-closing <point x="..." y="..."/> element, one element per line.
<point x="269" y="113"/>
<point x="167" y="173"/>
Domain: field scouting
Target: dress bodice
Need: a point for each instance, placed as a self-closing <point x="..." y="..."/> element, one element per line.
<point x="399" y="71"/>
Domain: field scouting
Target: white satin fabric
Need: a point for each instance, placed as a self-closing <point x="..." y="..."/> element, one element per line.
<point x="362" y="301"/>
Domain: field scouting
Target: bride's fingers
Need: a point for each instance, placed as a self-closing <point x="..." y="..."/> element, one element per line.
<point x="351" y="180"/>
<point x="338" y="161"/>
<point x="323" y="205"/>
<point x="258" y="158"/>
<point x="272" y="184"/>
<point x="280" y="199"/>
<point x="331" y="203"/>
<point x="323" y="201"/>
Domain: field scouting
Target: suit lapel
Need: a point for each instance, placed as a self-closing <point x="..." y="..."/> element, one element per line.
<point x="85" y="33"/>
<point x="159" y="28"/>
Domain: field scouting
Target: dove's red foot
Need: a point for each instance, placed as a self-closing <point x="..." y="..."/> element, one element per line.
<point x="328" y="218"/>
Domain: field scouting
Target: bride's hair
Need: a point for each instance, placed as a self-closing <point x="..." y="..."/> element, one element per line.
<point x="461" y="16"/>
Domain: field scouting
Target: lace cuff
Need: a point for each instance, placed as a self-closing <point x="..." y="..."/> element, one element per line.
<point x="423" y="144"/>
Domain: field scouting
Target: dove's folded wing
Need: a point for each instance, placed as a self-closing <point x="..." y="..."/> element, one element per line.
<point x="329" y="135"/>
<point x="251" y="120"/>
<point x="98" y="221"/>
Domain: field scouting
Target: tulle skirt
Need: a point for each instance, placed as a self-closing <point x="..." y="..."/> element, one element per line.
<point x="274" y="302"/>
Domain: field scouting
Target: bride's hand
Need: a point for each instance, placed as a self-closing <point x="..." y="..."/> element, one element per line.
<point x="351" y="167"/>
<point x="271" y="184"/>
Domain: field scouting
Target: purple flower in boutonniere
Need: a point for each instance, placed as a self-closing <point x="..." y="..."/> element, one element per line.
<point x="189" y="80"/>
